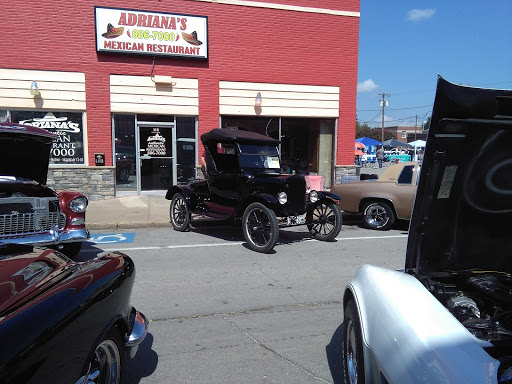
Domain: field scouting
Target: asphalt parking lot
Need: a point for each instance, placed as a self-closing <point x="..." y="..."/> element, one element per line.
<point x="221" y="313"/>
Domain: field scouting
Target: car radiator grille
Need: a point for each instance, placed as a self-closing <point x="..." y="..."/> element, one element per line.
<point x="296" y="191"/>
<point x="25" y="215"/>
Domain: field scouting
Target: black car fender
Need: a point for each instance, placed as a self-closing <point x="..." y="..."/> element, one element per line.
<point x="266" y="199"/>
<point x="75" y="312"/>
<point x="190" y="196"/>
<point x="328" y="195"/>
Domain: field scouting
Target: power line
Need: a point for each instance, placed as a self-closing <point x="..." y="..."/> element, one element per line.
<point x="395" y="109"/>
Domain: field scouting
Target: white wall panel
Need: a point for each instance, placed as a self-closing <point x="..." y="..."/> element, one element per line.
<point x="285" y="100"/>
<point x="57" y="90"/>
<point x="140" y="94"/>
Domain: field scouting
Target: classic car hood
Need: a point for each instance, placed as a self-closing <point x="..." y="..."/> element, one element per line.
<point x="29" y="275"/>
<point x="463" y="209"/>
<point x="10" y="185"/>
<point x="25" y="151"/>
<point x="24" y="271"/>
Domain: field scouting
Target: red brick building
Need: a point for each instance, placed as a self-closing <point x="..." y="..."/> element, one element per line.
<point x="129" y="87"/>
<point x="407" y="134"/>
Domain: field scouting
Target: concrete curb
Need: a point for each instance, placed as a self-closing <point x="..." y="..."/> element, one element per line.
<point x="130" y="225"/>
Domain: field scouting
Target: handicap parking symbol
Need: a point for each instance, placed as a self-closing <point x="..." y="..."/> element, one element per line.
<point x="112" y="238"/>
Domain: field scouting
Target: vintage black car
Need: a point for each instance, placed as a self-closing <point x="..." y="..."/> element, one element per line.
<point x="244" y="183"/>
<point x="31" y="212"/>
<point x="66" y="322"/>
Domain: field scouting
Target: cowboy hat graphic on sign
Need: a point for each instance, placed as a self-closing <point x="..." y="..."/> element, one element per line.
<point x="113" y="32"/>
<point x="192" y="38"/>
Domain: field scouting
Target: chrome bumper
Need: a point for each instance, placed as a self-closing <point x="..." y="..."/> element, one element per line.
<point x="139" y="332"/>
<point x="49" y="238"/>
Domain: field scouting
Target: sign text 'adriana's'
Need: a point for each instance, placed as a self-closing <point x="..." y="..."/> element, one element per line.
<point x="142" y="32"/>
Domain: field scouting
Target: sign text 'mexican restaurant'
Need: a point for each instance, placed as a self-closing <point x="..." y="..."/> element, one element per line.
<point x="150" y="33"/>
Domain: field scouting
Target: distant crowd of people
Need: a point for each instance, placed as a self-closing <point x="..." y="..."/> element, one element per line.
<point x="380" y="156"/>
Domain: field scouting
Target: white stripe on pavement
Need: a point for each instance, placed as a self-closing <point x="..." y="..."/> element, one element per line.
<point x="233" y="243"/>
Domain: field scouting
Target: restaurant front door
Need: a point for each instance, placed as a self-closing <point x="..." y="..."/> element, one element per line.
<point x="156" y="157"/>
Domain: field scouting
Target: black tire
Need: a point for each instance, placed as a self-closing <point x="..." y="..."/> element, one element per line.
<point x="378" y="215"/>
<point x="353" y="358"/>
<point x="124" y="174"/>
<point x="71" y="250"/>
<point x="179" y="213"/>
<point x="260" y="227"/>
<point x="324" y="220"/>
<point x="106" y="365"/>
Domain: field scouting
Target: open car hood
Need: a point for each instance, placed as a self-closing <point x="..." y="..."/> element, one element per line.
<point x="25" y="151"/>
<point x="463" y="208"/>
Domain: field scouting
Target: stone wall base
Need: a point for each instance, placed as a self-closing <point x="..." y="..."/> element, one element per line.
<point x="345" y="170"/>
<point x="97" y="183"/>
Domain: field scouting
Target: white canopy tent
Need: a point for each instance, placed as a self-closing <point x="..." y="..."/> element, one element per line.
<point x="417" y="144"/>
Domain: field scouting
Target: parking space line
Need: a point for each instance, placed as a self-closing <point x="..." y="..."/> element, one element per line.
<point x="233" y="243"/>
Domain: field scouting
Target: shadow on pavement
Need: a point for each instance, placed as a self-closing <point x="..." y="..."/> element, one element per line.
<point x="226" y="230"/>
<point x="334" y="352"/>
<point x="143" y="364"/>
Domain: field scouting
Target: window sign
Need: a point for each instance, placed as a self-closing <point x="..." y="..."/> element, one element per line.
<point x="155" y="145"/>
<point x="151" y="33"/>
<point x="68" y="148"/>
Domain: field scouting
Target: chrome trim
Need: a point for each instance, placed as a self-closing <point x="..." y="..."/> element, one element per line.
<point x="49" y="238"/>
<point x="138" y="333"/>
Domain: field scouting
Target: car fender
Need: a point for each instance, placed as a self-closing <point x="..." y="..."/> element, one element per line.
<point x="266" y="199"/>
<point x="410" y="337"/>
<point x="65" y="198"/>
<point x="384" y="196"/>
<point x="190" y="196"/>
<point x="328" y="195"/>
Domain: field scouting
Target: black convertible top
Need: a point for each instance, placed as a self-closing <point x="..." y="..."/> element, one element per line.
<point x="235" y="135"/>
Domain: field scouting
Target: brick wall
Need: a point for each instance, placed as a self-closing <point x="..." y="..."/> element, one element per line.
<point x="245" y="44"/>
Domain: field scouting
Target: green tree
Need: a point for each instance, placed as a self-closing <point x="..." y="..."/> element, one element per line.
<point x="426" y="124"/>
<point x="374" y="133"/>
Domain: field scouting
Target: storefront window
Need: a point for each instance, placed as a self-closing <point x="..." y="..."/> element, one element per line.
<point x="4" y="116"/>
<point x="68" y="148"/>
<point x="306" y="143"/>
<point x="186" y="149"/>
<point x="124" y="132"/>
<point x="264" y="125"/>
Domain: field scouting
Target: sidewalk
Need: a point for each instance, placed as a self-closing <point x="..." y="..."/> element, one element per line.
<point x="146" y="210"/>
<point x="128" y="212"/>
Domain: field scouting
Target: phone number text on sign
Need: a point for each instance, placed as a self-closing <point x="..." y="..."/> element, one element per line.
<point x="154" y="35"/>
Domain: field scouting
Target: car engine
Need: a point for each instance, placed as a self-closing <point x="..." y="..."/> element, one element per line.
<point x="482" y="302"/>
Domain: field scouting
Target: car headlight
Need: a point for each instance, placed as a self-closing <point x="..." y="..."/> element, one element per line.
<point x="282" y="197"/>
<point x="313" y="196"/>
<point x="78" y="204"/>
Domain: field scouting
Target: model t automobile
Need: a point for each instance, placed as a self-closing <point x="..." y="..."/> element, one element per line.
<point x="244" y="183"/>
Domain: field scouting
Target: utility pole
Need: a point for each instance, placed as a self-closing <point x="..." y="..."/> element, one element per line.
<point x="383" y="104"/>
<point x="415" y="127"/>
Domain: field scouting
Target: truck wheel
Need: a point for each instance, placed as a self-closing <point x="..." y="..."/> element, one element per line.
<point x="378" y="215"/>
<point x="353" y="359"/>
<point x="260" y="226"/>
<point x="324" y="220"/>
<point x="179" y="212"/>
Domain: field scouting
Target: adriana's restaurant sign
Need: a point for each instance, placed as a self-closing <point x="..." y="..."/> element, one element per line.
<point x="150" y="33"/>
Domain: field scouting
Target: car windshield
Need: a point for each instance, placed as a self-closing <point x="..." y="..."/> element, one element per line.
<point x="259" y="156"/>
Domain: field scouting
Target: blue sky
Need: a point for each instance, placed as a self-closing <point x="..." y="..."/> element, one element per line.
<point x="405" y="44"/>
